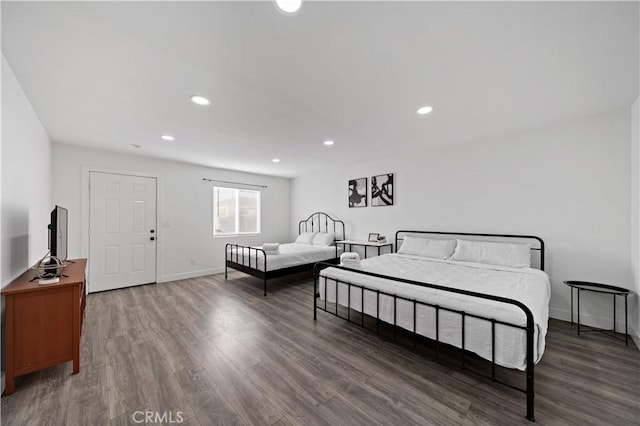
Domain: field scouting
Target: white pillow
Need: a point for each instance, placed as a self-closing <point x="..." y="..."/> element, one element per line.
<point x="323" y="239"/>
<point x="439" y="249"/>
<point x="500" y="254"/>
<point x="305" y="238"/>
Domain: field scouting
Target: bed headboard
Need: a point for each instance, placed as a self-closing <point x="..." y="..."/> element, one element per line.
<point x="322" y="222"/>
<point x="537" y="245"/>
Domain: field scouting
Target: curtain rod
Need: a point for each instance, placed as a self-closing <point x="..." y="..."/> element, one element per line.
<point x="234" y="183"/>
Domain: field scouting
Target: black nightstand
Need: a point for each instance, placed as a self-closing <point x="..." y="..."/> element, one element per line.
<point x="604" y="289"/>
<point x="364" y="244"/>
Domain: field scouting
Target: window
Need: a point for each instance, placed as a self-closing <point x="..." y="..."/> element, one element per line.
<point x="235" y="211"/>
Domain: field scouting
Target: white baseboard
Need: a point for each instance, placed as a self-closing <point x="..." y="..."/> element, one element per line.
<point x="635" y="336"/>
<point x="586" y="319"/>
<point x="191" y="274"/>
<point x="560" y="314"/>
<point x="595" y="321"/>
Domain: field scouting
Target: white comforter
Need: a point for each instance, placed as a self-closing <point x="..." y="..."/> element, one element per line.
<point x="529" y="286"/>
<point x="290" y="255"/>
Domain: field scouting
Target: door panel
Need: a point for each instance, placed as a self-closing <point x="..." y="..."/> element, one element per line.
<point x="137" y="264"/>
<point x="111" y="260"/>
<point x="122" y="216"/>
<point x="137" y="217"/>
<point x="112" y="216"/>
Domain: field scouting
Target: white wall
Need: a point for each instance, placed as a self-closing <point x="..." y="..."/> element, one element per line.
<point x="2" y="377"/>
<point x="635" y="222"/>
<point x="26" y="180"/>
<point x="568" y="183"/>
<point x="185" y="207"/>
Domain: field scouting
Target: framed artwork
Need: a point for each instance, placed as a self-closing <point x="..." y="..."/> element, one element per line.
<point x="382" y="190"/>
<point x="358" y="192"/>
<point x="373" y="237"/>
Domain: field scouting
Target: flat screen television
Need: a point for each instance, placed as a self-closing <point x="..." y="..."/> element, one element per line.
<point x="58" y="233"/>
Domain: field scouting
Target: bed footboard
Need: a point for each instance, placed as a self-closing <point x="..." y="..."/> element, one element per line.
<point x="245" y="259"/>
<point x="242" y="261"/>
<point x="529" y="328"/>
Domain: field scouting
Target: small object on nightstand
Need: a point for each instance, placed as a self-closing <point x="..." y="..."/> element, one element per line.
<point x="604" y="289"/>
<point x="377" y="238"/>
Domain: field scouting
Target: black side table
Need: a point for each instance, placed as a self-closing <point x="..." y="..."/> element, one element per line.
<point x="604" y="289"/>
<point x="365" y="244"/>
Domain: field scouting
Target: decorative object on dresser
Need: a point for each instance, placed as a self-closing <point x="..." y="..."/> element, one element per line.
<point x="436" y="305"/>
<point x="43" y="324"/>
<point x="602" y="289"/>
<point x="315" y="243"/>
<point x="382" y="190"/>
<point x="48" y="270"/>
<point x="358" y="192"/>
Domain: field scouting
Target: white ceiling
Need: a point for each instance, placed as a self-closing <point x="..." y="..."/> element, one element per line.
<point x="111" y="74"/>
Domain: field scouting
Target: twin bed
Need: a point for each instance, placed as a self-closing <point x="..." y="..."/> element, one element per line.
<point x="476" y="292"/>
<point x="315" y="243"/>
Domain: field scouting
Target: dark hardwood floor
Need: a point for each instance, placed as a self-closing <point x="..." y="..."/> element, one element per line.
<point x="211" y="352"/>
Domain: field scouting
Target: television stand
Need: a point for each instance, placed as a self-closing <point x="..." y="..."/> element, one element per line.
<point x="43" y="323"/>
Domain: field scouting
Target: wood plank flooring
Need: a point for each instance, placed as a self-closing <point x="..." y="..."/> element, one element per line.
<point x="220" y="353"/>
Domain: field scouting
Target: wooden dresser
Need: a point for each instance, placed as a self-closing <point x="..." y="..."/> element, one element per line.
<point x="43" y="323"/>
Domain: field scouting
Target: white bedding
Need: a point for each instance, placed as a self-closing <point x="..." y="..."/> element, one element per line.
<point x="290" y="255"/>
<point x="529" y="286"/>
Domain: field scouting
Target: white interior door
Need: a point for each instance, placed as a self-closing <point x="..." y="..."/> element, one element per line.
<point x="122" y="231"/>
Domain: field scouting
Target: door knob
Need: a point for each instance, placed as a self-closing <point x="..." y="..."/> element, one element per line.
<point x="152" y="238"/>
<point x="152" y="231"/>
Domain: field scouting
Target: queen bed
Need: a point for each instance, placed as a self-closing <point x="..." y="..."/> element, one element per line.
<point x="482" y="297"/>
<point x="315" y="243"/>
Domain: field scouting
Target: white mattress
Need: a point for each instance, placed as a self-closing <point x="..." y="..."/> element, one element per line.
<point x="529" y="286"/>
<point x="290" y="255"/>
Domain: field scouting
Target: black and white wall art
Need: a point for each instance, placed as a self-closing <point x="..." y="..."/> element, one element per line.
<point x="382" y="190"/>
<point x="358" y="192"/>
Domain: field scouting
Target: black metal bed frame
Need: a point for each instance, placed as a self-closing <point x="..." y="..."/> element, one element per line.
<point x="314" y="223"/>
<point x="529" y="328"/>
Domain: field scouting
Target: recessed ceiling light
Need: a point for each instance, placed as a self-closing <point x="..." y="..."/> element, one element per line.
<point x="200" y="100"/>
<point x="167" y="138"/>
<point x="275" y="160"/>
<point x="425" y="110"/>
<point x="328" y="143"/>
<point x="289" y="6"/>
